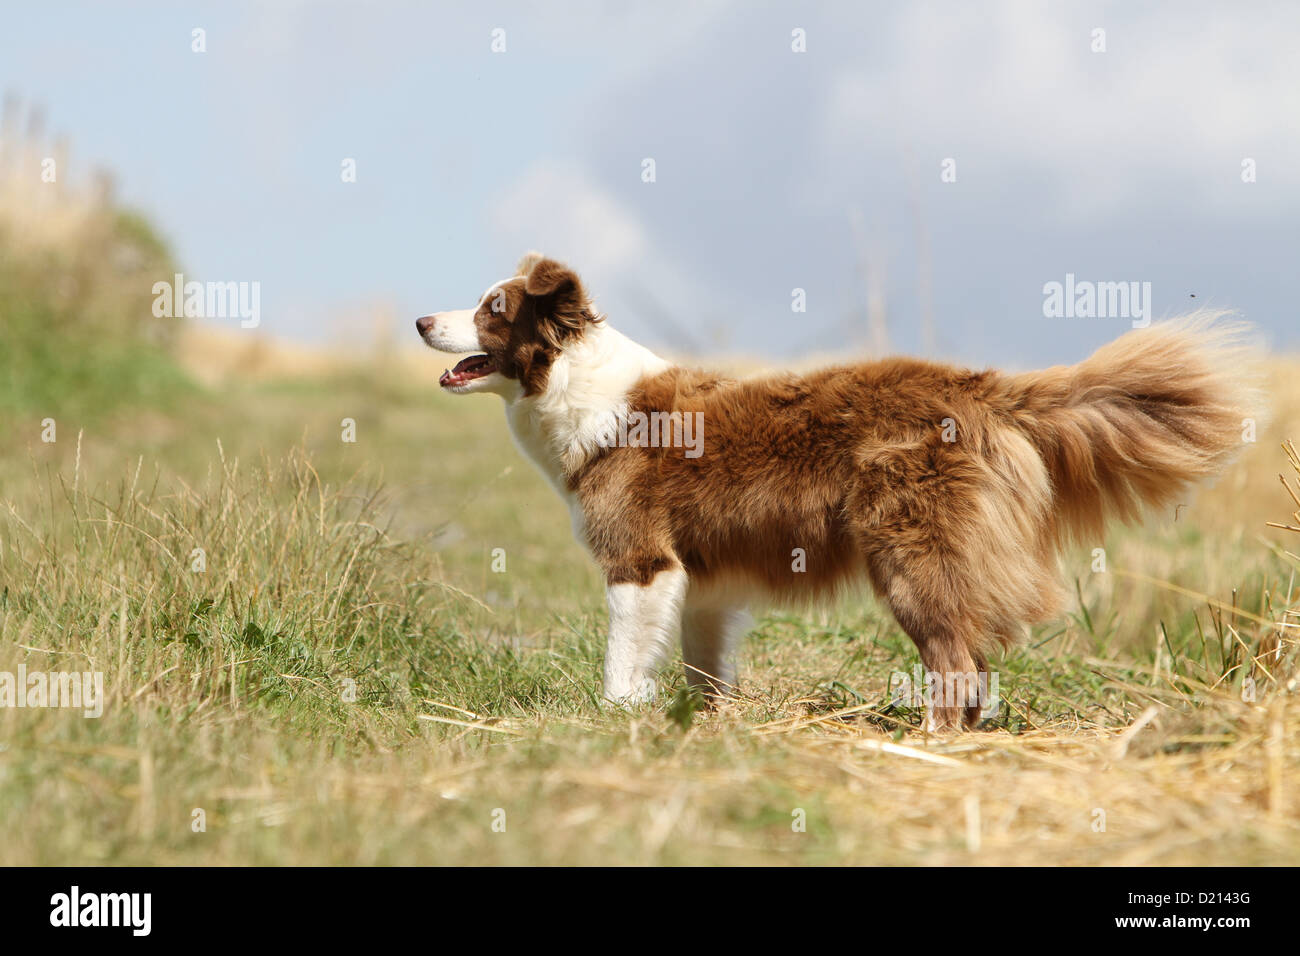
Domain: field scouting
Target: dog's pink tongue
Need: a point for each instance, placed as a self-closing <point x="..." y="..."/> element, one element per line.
<point x="445" y="378"/>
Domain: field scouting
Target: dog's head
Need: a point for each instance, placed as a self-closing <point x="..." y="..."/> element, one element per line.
<point x="518" y="329"/>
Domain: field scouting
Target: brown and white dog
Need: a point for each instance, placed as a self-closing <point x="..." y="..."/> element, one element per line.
<point x="951" y="491"/>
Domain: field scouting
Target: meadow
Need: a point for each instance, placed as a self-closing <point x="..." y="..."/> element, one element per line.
<point x="387" y="650"/>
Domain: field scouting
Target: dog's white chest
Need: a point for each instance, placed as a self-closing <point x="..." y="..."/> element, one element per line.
<point x="530" y="436"/>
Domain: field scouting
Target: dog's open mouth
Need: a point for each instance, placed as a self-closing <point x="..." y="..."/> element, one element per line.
<point x="466" y="370"/>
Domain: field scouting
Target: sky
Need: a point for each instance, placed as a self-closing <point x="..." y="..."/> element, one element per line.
<point x="934" y="163"/>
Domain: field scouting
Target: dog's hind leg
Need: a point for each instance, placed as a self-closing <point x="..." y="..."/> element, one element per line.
<point x="935" y="605"/>
<point x="956" y="677"/>
<point x="710" y="636"/>
<point x="645" y="621"/>
<point x="945" y="544"/>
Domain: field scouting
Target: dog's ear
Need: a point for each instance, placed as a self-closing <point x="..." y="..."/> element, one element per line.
<point x="527" y="263"/>
<point x="548" y="277"/>
<point x="563" y="305"/>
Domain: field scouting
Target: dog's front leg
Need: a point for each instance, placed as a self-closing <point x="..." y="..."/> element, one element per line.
<point x="645" y="621"/>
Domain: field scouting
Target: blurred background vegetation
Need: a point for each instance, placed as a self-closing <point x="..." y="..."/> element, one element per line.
<point x="78" y="338"/>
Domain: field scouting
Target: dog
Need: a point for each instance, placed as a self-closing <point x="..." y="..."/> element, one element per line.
<point x="952" y="492"/>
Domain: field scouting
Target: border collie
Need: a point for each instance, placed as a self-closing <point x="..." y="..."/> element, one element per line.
<point x="951" y="491"/>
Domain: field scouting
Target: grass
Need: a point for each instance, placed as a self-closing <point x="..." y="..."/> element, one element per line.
<point x="349" y="682"/>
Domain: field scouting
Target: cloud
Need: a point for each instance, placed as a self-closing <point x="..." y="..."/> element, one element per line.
<point x="558" y="209"/>
<point x="1166" y="113"/>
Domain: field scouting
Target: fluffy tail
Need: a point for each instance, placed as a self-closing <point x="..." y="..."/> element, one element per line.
<point x="1141" y="420"/>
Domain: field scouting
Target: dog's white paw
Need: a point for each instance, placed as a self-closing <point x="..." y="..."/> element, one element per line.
<point x="630" y="694"/>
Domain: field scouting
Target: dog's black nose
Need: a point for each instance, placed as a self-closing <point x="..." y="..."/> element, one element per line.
<point x="423" y="324"/>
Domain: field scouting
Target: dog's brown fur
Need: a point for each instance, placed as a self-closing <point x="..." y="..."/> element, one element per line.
<point x="850" y="464"/>
<point x="952" y="491"/>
